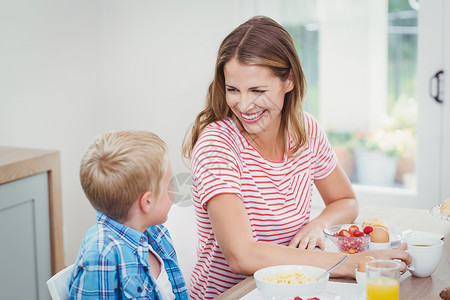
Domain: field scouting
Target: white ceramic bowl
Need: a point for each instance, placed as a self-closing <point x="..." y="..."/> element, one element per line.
<point x="272" y="290"/>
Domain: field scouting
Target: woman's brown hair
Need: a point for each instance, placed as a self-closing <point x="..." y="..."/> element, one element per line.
<point x="263" y="42"/>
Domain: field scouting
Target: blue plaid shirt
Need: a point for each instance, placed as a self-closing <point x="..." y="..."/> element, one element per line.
<point x="112" y="263"/>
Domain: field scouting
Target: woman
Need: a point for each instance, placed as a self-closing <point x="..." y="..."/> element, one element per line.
<point x="255" y="155"/>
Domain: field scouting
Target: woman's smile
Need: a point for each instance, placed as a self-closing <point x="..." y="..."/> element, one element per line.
<point x="253" y="117"/>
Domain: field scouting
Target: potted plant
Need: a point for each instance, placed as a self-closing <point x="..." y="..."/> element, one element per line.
<point x="381" y="151"/>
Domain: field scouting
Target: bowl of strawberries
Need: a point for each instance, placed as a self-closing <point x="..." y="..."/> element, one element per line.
<point x="349" y="238"/>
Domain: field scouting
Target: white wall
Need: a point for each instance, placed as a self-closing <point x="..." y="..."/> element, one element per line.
<point x="72" y="69"/>
<point x="50" y="90"/>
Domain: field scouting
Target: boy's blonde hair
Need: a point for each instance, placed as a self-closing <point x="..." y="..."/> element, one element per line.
<point x="119" y="166"/>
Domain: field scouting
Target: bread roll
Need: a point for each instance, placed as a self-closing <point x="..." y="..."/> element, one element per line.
<point x="445" y="208"/>
<point x="375" y="222"/>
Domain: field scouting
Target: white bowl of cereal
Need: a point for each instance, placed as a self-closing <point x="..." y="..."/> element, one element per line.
<point x="284" y="281"/>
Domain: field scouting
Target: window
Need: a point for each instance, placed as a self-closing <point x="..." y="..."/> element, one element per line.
<point x="360" y="56"/>
<point x="369" y="87"/>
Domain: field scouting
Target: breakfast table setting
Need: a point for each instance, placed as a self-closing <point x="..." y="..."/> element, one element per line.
<point x="428" y="277"/>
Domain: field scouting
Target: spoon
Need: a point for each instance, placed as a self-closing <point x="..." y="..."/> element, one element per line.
<point x="333" y="267"/>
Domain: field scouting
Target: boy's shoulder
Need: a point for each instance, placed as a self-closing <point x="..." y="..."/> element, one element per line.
<point x="100" y="240"/>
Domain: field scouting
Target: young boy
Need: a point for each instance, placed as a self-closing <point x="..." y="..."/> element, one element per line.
<point x="126" y="175"/>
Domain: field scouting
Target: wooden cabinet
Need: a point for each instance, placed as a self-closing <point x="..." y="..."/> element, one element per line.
<point x="31" y="244"/>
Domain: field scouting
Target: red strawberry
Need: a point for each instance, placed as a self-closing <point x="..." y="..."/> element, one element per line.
<point x="368" y="229"/>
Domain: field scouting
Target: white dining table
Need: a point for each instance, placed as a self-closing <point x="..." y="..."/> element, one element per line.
<point x="416" y="220"/>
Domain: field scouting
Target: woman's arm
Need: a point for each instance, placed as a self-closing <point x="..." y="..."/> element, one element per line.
<point x="340" y="207"/>
<point x="233" y="232"/>
<point x="337" y="193"/>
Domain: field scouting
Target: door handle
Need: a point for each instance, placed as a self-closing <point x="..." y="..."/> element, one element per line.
<point x="438" y="95"/>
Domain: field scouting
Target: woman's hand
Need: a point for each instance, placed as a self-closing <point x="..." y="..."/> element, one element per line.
<point x="309" y="237"/>
<point x="340" y="207"/>
<point x="398" y="253"/>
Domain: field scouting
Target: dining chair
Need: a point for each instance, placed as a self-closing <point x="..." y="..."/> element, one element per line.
<point x="57" y="284"/>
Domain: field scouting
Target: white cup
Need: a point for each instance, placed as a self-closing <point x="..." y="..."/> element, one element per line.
<point x="378" y="246"/>
<point x="426" y="254"/>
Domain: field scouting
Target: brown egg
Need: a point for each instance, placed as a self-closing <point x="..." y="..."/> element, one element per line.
<point x="379" y="235"/>
<point x="362" y="263"/>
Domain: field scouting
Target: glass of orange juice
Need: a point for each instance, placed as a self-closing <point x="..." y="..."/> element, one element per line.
<point x="382" y="280"/>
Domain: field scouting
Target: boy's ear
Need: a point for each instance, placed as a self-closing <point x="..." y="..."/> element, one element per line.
<point x="146" y="201"/>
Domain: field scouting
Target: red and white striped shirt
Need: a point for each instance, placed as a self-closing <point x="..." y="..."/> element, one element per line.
<point x="276" y="195"/>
